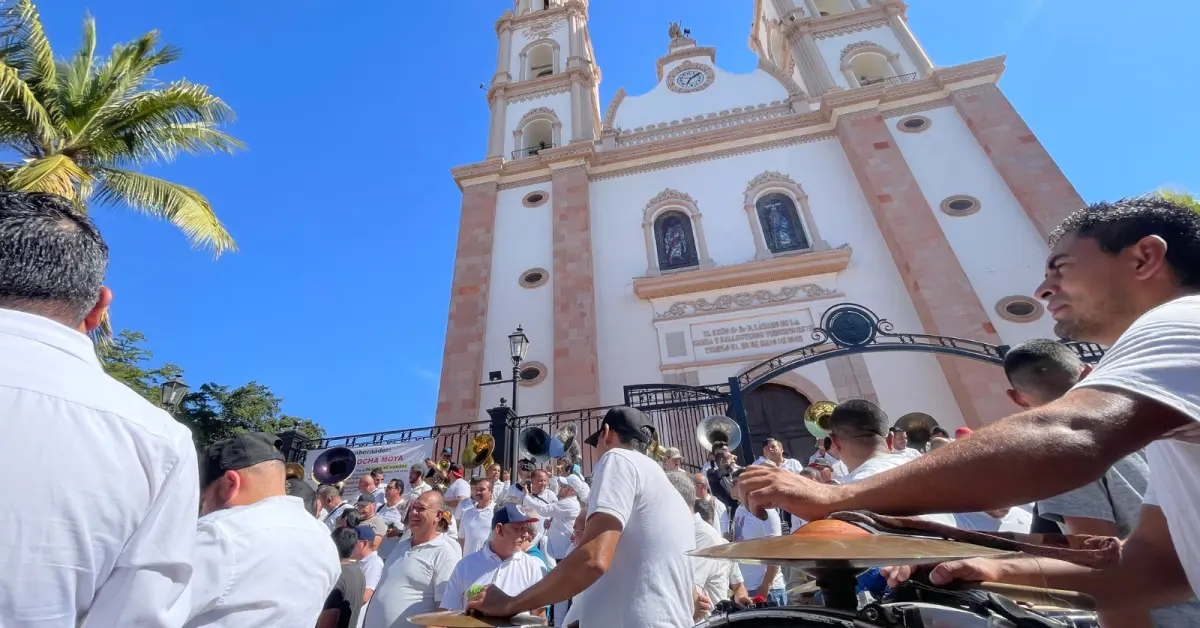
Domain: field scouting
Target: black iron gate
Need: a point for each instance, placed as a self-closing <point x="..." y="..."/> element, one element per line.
<point x="677" y="410"/>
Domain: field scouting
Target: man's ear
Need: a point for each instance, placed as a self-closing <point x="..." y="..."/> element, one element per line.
<point x="92" y="320"/>
<point x="1018" y="398"/>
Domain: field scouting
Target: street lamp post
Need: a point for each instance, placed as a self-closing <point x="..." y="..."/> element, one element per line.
<point x="173" y="391"/>
<point x="518" y="345"/>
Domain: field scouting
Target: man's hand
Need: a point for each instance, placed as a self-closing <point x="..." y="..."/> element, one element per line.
<point x="703" y="605"/>
<point x="970" y="570"/>
<point x="741" y="597"/>
<point x="763" y="589"/>
<point x="771" y="487"/>
<point x="491" y="601"/>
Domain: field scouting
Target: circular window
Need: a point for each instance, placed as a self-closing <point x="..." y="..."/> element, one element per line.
<point x="535" y="199"/>
<point x="534" y="277"/>
<point x="914" y="124"/>
<point x="531" y="373"/>
<point x="1019" y="309"/>
<point x="960" y="205"/>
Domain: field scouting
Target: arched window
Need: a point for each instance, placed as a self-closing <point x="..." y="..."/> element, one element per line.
<point x="540" y="58"/>
<point x="781" y="226"/>
<point x="674" y="234"/>
<point x="538" y="130"/>
<point x="675" y="241"/>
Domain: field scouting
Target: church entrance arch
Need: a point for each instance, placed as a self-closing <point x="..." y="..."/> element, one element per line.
<point x="777" y="411"/>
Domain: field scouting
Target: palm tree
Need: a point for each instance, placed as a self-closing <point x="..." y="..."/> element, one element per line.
<point x="82" y="126"/>
<point x="1183" y="198"/>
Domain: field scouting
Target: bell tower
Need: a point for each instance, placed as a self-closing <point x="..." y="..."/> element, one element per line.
<point x="544" y="92"/>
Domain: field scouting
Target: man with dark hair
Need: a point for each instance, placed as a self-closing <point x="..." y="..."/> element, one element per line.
<point x="859" y="431"/>
<point x="631" y="550"/>
<point x="1126" y="275"/>
<point x="368" y="559"/>
<point x="1041" y="371"/>
<point x="332" y="503"/>
<point x="476" y="522"/>
<point x="249" y="533"/>
<point x="113" y="545"/>
<point x="345" y="602"/>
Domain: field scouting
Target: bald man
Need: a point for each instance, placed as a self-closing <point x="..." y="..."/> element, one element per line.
<point x="249" y="533"/>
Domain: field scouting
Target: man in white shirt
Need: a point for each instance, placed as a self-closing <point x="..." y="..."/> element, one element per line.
<point x="720" y="511"/>
<point x="539" y="491"/>
<point x="417" y="571"/>
<point x="368" y="559"/>
<point x="1122" y="275"/>
<point x="898" y="444"/>
<point x="499" y="487"/>
<point x="713" y="578"/>
<point x="500" y="563"/>
<point x="561" y="513"/>
<point x="332" y="503"/>
<point x="261" y="560"/>
<point x="367" y="486"/>
<point x="761" y="580"/>
<point x="111" y="546"/>
<point x="459" y="489"/>
<point x="392" y="510"/>
<point x="632" y="559"/>
<point x="773" y="451"/>
<point x="477" y="518"/>
<point x="525" y="469"/>
<point x="672" y="459"/>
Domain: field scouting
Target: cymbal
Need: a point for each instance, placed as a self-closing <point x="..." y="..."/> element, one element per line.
<point x="835" y="544"/>
<point x="459" y="619"/>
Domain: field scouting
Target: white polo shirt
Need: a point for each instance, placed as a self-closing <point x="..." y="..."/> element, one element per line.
<point x="109" y="543"/>
<point x="886" y="462"/>
<point x="484" y="567"/>
<point x="267" y="564"/>
<point x="476" y="527"/>
<point x="747" y="527"/>
<point x="713" y="577"/>
<point x="372" y="568"/>
<point x="414" y="579"/>
<point x="459" y="489"/>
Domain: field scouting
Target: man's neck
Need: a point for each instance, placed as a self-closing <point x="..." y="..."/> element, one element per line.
<point x="392" y="503"/>
<point x="777" y="460"/>
<point x="501" y="555"/>
<point x="855" y="459"/>
<point x="245" y="498"/>
<point x="483" y="504"/>
<point x="420" y="537"/>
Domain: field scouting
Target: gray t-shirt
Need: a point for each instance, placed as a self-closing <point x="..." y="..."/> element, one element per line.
<point x="1117" y="497"/>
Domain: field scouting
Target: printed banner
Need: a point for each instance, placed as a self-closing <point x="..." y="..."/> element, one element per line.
<point x="394" y="460"/>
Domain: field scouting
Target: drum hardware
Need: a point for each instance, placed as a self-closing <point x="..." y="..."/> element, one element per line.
<point x="816" y="418"/>
<point x="334" y="465"/>
<point x="718" y="430"/>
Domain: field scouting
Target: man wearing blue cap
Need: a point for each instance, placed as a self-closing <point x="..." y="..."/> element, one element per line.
<point x="368" y="559"/>
<point x="500" y="563"/>
<point x="631" y="563"/>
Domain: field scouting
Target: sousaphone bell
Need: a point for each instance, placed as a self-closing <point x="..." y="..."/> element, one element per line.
<point x="478" y="453"/>
<point x="534" y="444"/>
<point x="564" y="445"/>
<point x="816" y="418"/>
<point x="718" y="430"/>
<point x="334" y="465"/>
<point x="294" y="471"/>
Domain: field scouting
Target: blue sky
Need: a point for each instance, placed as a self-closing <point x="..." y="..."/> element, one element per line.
<point x="346" y="213"/>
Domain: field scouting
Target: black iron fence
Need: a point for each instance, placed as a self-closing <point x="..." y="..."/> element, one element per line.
<point x="890" y="80"/>
<point x="530" y="151"/>
<point x="456" y="436"/>
<point x="677" y="410"/>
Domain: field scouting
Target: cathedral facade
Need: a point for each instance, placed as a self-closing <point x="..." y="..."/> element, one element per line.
<point x="688" y="233"/>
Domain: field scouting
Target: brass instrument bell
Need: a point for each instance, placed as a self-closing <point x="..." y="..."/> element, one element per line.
<point x="334" y="465"/>
<point x="816" y="418"/>
<point x="718" y="430"/>
<point x="478" y="452"/>
<point x="294" y="471"/>
<point x="534" y="444"/>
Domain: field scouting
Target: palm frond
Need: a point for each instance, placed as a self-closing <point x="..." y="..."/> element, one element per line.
<point x="16" y="92"/>
<point x="125" y="70"/>
<point x="34" y="58"/>
<point x="184" y="207"/>
<point x="1183" y="198"/>
<point x="55" y="174"/>
<point x="179" y="103"/>
<point x="165" y="143"/>
<point x="74" y="75"/>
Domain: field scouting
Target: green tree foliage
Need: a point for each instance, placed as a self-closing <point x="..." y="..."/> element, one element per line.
<point x="1182" y="198"/>
<point x="213" y="411"/>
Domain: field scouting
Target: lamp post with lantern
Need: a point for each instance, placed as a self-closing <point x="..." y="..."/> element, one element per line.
<point x="518" y="348"/>
<point x="173" y="392"/>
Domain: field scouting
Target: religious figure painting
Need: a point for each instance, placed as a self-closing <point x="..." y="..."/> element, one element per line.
<point x="781" y="224"/>
<point x="676" y="243"/>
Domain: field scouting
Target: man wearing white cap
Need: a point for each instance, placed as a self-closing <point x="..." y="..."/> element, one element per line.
<point x="672" y="459"/>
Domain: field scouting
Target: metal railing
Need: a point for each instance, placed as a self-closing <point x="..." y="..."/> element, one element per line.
<point x="532" y="150"/>
<point x="457" y="436"/>
<point x="889" y="81"/>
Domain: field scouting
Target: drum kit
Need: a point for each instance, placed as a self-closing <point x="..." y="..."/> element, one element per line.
<point x="835" y="553"/>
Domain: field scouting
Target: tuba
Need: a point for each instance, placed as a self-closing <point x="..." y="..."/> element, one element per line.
<point x="534" y="444"/>
<point x="816" y="418"/>
<point x="718" y="430"/>
<point x="564" y="445"/>
<point x="334" y="465"/>
<point x="294" y="471"/>
<point x="478" y="453"/>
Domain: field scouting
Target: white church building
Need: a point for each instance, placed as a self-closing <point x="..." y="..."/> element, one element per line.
<point x="686" y="234"/>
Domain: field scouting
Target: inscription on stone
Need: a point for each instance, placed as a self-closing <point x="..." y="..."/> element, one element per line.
<point x="774" y="335"/>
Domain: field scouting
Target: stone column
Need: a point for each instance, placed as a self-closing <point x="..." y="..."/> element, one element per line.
<point x="576" y="110"/>
<point x="812" y="9"/>
<point x="1030" y="172"/>
<point x="498" y="125"/>
<point x="573" y="28"/>
<point x="942" y="295"/>
<point x="810" y="58"/>
<point x="462" y="359"/>
<point x="576" y="365"/>
<point x="504" y="58"/>
<point x="909" y="43"/>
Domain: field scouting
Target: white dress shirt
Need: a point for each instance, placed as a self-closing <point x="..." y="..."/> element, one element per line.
<point x="266" y="564"/>
<point x="562" y="515"/>
<point x="109" y="543"/>
<point x="713" y="577"/>
<point x="519" y="572"/>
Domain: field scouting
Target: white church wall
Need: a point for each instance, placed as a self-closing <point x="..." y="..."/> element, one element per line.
<point x="627" y="341"/>
<point x="727" y="91"/>
<point x="899" y="395"/>
<point x="559" y="103"/>
<point x="831" y="51"/>
<point x="523" y="239"/>
<point x="998" y="247"/>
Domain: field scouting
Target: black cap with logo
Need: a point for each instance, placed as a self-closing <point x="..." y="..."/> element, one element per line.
<point x="238" y="452"/>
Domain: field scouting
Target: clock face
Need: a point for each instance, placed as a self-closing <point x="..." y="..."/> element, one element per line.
<point x="690" y="79"/>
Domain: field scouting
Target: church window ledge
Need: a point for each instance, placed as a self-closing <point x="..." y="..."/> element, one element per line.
<point x="750" y="273"/>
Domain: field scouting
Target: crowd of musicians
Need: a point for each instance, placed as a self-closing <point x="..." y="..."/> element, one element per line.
<point x="1107" y="451"/>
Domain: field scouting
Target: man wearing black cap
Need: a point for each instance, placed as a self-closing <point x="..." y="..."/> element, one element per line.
<point x="261" y="559"/>
<point x="631" y="563"/>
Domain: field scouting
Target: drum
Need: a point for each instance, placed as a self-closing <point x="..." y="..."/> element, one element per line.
<point x="927" y="615"/>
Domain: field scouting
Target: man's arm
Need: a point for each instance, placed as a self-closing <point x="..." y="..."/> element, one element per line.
<point x="1028" y="456"/>
<point x="148" y="583"/>
<point x="582" y="567"/>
